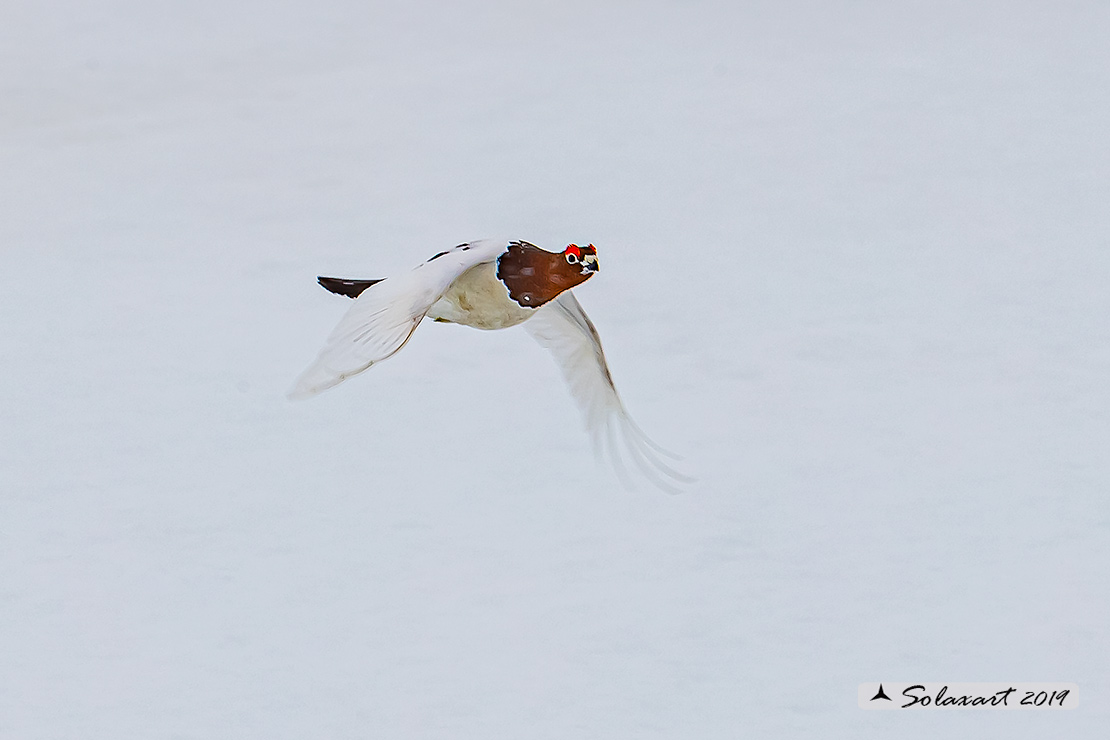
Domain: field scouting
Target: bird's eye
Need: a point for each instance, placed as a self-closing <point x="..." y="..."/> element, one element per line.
<point x="572" y="258"/>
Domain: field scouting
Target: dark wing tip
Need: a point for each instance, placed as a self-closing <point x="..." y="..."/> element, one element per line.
<point x="350" y="288"/>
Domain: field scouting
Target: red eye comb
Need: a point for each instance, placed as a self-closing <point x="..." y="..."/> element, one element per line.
<point x="573" y="249"/>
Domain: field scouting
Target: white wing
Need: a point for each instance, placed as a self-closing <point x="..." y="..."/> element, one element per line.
<point x="386" y="314"/>
<point x="563" y="327"/>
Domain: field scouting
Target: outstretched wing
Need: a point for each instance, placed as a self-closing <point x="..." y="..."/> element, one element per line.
<point x="385" y="315"/>
<point x="563" y="327"/>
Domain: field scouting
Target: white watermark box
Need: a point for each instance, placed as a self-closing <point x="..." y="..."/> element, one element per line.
<point x="939" y="695"/>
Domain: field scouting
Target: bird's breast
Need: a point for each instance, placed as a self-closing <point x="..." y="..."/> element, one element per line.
<point x="479" y="299"/>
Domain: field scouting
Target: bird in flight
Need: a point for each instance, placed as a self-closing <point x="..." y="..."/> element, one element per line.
<point x="494" y="284"/>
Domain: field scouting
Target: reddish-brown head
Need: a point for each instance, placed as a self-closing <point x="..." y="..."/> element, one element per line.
<point x="535" y="276"/>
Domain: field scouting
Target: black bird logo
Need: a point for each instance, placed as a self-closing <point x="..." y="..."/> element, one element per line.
<point x="881" y="695"/>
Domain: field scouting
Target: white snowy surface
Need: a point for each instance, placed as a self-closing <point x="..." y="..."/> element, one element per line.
<point x="855" y="265"/>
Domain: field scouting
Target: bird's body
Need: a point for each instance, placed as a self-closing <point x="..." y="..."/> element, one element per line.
<point x="490" y="284"/>
<point x="478" y="299"/>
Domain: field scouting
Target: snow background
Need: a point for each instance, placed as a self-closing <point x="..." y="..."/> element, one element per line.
<point x="855" y="266"/>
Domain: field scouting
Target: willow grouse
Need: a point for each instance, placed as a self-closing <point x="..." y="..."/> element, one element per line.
<point x="492" y="284"/>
